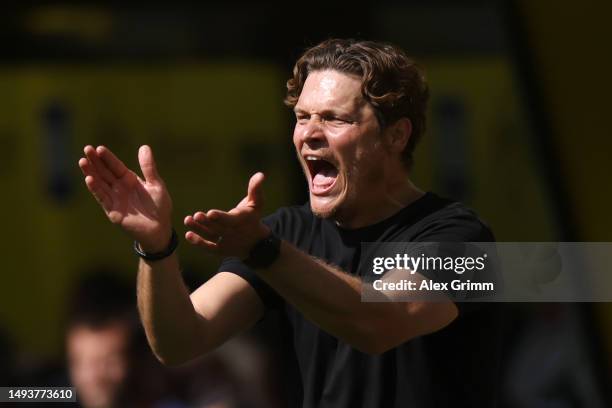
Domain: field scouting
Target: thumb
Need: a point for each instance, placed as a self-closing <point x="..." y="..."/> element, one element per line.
<point x="147" y="164"/>
<point x="255" y="190"/>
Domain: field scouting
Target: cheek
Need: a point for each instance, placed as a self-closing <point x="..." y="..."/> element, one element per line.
<point x="344" y="144"/>
<point x="362" y="159"/>
<point x="370" y="148"/>
<point x="341" y="134"/>
<point x="116" y="369"/>
<point x="297" y="138"/>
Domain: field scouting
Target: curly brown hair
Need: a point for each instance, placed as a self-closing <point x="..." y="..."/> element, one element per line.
<point x="393" y="83"/>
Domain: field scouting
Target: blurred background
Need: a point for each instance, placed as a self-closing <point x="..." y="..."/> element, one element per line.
<point x="518" y="129"/>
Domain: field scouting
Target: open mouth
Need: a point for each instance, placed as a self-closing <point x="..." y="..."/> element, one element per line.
<point x="323" y="174"/>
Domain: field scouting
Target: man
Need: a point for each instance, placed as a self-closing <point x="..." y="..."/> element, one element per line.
<point x="360" y="110"/>
<point x="98" y="362"/>
<point x="101" y="342"/>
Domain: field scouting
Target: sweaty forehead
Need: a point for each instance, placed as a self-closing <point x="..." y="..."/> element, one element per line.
<point x="331" y="89"/>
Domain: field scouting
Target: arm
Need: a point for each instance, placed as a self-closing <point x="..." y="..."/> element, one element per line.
<point x="178" y="327"/>
<point x="332" y="299"/>
<point x="324" y="294"/>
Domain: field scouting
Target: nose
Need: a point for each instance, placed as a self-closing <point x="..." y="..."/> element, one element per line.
<point x="312" y="132"/>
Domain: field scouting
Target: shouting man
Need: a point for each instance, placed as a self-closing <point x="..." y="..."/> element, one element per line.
<point x="360" y="111"/>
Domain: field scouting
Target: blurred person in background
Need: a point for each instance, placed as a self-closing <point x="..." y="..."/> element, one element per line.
<point x="101" y="341"/>
<point x="360" y="110"/>
<point x="110" y="366"/>
<point x="99" y="362"/>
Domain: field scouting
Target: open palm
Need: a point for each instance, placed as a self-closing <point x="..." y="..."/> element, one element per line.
<point x="141" y="207"/>
<point x="231" y="233"/>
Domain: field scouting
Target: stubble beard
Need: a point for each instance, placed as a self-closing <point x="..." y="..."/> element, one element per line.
<point x="324" y="214"/>
<point x="346" y="207"/>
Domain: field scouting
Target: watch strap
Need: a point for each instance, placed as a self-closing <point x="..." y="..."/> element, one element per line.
<point x="156" y="256"/>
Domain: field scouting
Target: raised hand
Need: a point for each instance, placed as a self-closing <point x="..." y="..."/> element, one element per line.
<point x="231" y="233"/>
<point x="140" y="207"/>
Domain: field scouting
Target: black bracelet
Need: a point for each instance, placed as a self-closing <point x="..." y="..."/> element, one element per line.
<point x="158" y="255"/>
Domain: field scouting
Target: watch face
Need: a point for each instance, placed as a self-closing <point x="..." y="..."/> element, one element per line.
<point x="264" y="253"/>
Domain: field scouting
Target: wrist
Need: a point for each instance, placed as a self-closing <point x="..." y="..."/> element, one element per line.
<point x="264" y="252"/>
<point x="155" y="254"/>
<point x="157" y="243"/>
<point x="263" y="233"/>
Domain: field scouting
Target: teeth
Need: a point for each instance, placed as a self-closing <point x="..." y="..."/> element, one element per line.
<point x="312" y="158"/>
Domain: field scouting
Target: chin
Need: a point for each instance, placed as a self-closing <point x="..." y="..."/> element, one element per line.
<point x="323" y="209"/>
<point x="331" y="205"/>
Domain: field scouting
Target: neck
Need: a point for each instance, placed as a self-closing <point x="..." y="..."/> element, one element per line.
<point x="395" y="195"/>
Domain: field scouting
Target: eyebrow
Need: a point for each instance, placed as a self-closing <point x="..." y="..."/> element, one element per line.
<point x="323" y="112"/>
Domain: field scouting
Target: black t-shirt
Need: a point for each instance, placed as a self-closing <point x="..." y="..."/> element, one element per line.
<point x="454" y="367"/>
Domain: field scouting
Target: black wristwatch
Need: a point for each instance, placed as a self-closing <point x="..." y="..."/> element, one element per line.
<point x="264" y="253"/>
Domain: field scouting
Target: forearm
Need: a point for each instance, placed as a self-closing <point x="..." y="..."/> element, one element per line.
<point x="329" y="297"/>
<point x="167" y="313"/>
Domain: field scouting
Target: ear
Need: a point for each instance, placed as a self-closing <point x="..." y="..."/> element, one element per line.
<point x="398" y="135"/>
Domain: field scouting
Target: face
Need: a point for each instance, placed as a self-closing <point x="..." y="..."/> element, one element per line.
<point x="338" y="143"/>
<point x="98" y="365"/>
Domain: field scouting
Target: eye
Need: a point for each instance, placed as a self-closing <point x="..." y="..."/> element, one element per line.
<point x="337" y="120"/>
<point x="301" y="118"/>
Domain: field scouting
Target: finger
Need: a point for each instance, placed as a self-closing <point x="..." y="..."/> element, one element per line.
<point x="86" y="167"/>
<point x="205" y="231"/>
<point x="147" y="164"/>
<point x="254" y="191"/>
<point x="98" y="165"/>
<point x="116" y="166"/>
<point x="88" y="170"/>
<point x="197" y="240"/>
<point x="205" y="220"/>
<point x="99" y="193"/>
<point x="100" y="184"/>
<point x="223" y="218"/>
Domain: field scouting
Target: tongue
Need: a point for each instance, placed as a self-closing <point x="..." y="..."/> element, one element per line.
<point x="325" y="177"/>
